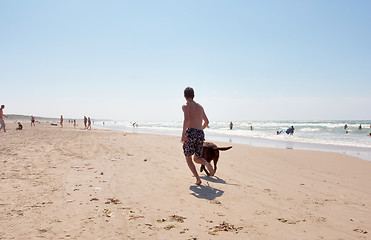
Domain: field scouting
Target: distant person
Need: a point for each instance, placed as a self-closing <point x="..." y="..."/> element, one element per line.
<point x="85" y="122"/>
<point x="195" y="120"/>
<point x="1" y="118"/>
<point x="32" y="121"/>
<point x="231" y="126"/>
<point x="290" y="130"/>
<point x="360" y="127"/>
<point x="89" y="123"/>
<point x="74" y="123"/>
<point x="61" y="123"/>
<point x="20" y="127"/>
<point x="251" y="128"/>
<point x="346" y="126"/>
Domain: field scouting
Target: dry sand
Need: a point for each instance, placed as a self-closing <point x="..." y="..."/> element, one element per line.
<point x="79" y="184"/>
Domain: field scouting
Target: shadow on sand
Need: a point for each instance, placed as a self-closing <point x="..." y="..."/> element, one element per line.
<point x="216" y="179"/>
<point x="206" y="192"/>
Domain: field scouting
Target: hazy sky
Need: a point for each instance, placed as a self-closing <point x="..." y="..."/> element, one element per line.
<point x="131" y="60"/>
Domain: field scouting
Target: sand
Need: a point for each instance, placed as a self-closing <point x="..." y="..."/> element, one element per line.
<point x="97" y="184"/>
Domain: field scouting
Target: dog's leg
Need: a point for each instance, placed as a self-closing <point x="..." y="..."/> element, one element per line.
<point x="215" y="159"/>
<point x="203" y="168"/>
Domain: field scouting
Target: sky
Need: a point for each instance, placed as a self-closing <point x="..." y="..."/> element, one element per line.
<point x="132" y="60"/>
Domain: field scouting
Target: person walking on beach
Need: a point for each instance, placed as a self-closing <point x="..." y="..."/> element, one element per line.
<point x="193" y="135"/>
<point x="231" y="126"/>
<point x="89" y="123"/>
<point x="61" y="121"/>
<point x="85" y="122"/>
<point x="32" y="121"/>
<point x="1" y="118"/>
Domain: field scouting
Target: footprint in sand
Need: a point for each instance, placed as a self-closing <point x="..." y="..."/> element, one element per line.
<point x="358" y="230"/>
<point x="177" y="218"/>
<point x="215" y="202"/>
<point x="283" y="220"/>
<point x="168" y="227"/>
<point x="224" y="227"/>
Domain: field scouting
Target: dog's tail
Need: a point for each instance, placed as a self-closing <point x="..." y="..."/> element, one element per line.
<point x="223" y="148"/>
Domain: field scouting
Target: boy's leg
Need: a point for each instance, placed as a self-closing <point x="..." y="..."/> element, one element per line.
<point x="2" y="124"/>
<point x="193" y="169"/>
<point x="204" y="162"/>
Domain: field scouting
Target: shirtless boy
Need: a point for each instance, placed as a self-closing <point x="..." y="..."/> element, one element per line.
<point x="61" y="121"/>
<point x="32" y="121"/>
<point x="193" y="134"/>
<point x="1" y="118"/>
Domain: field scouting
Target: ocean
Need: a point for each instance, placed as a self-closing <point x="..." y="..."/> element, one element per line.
<point x="308" y="135"/>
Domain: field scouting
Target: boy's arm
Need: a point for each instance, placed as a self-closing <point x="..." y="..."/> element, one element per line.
<point x="185" y="122"/>
<point x="206" y="120"/>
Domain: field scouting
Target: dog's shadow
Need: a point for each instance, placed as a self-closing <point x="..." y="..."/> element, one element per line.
<point x="206" y="192"/>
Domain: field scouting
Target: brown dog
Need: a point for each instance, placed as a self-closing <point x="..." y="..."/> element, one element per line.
<point x="211" y="152"/>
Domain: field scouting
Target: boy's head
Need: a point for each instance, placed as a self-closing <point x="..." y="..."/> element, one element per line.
<point x="189" y="93"/>
<point x="2" y="106"/>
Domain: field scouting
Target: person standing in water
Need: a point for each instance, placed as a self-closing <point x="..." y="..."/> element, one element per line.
<point x="195" y="120"/>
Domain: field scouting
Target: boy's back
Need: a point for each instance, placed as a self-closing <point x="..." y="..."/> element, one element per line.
<point x="194" y="114"/>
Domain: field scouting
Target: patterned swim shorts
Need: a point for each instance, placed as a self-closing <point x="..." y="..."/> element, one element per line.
<point x="194" y="143"/>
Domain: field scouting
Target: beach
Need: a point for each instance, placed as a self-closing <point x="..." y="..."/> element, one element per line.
<point x="66" y="183"/>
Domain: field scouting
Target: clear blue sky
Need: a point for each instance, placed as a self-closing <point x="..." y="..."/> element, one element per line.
<point x="131" y="60"/>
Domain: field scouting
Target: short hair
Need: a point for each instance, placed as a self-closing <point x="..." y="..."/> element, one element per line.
<point x="2" y="106"/>
<point x="189" y="93"/>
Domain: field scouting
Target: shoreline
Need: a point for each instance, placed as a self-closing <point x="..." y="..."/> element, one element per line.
<point x="358" y="152"/>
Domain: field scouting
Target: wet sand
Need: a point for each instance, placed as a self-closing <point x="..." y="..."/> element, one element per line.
<point x="98" y="184"/>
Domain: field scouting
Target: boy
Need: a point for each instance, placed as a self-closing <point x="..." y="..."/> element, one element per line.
<point x="193" y="134"/>
<point x="1" y="118"/>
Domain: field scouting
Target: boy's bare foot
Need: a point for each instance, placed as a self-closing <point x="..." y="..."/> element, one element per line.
<point x="198" y="182"/>
<point x="211" y="170"/>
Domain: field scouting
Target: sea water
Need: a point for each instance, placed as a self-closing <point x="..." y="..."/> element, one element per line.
<point x="310" y="135"/>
